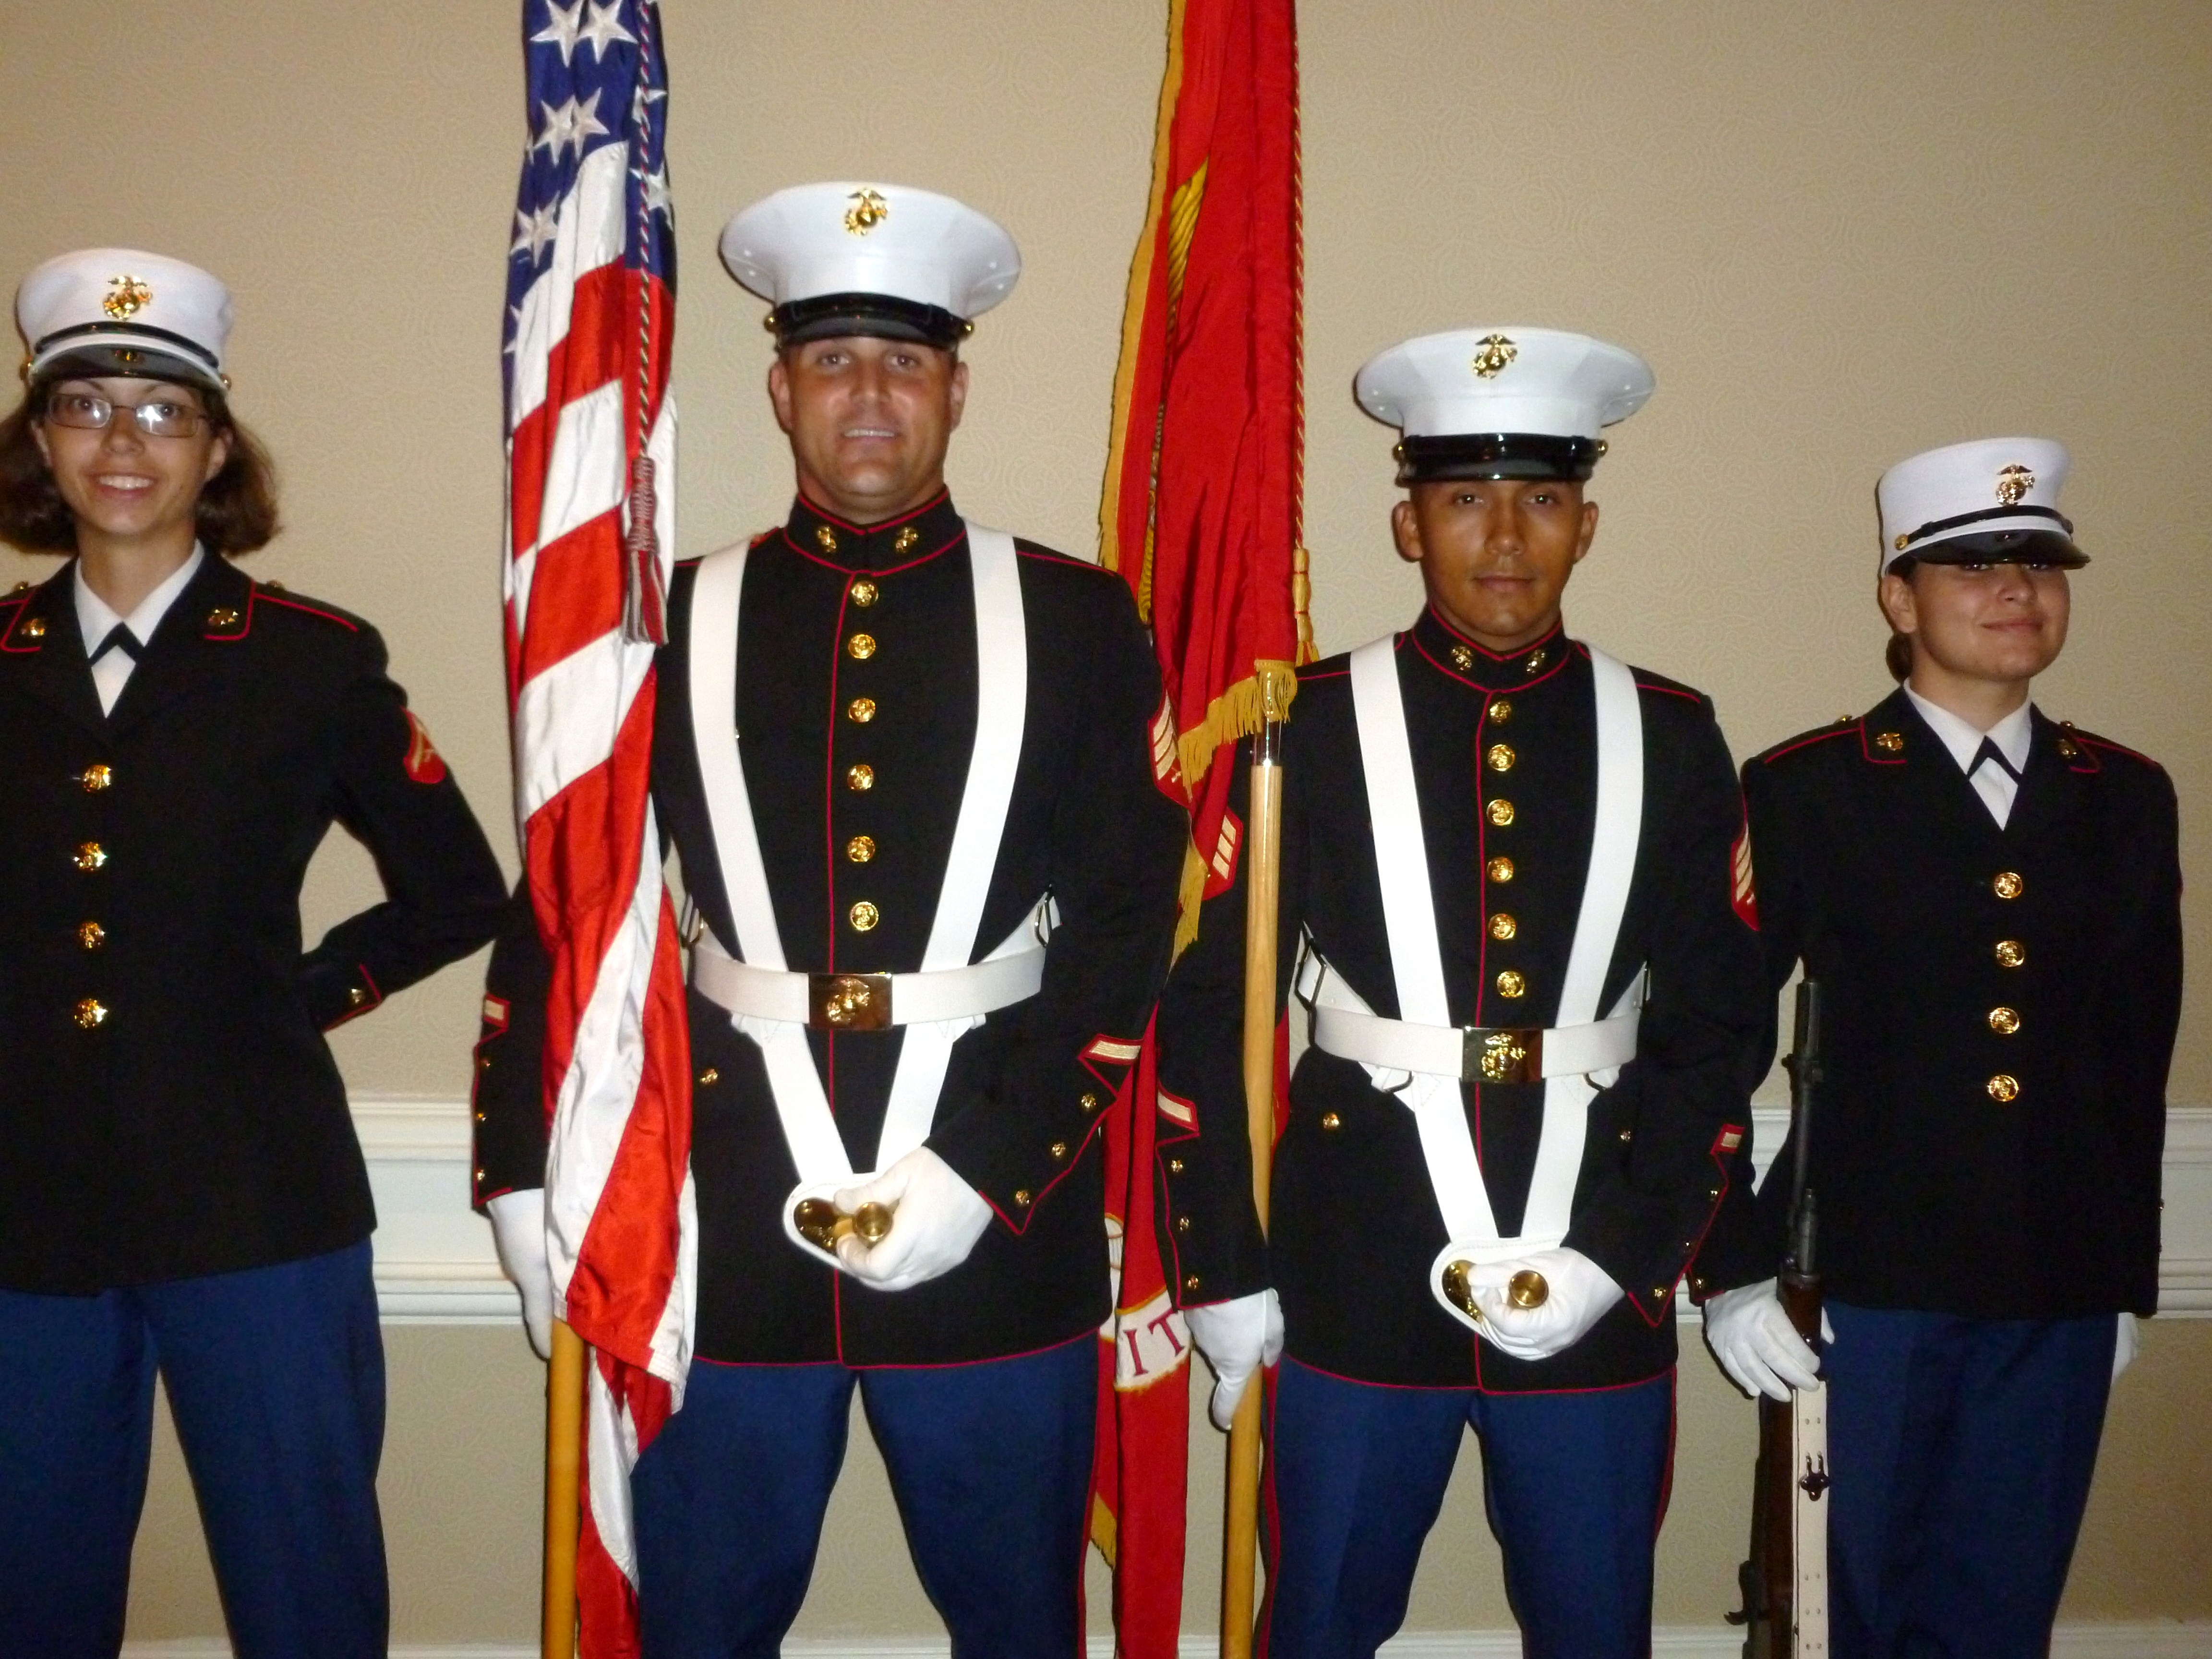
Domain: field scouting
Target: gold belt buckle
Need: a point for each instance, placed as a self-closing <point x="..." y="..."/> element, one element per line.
<point x="848" y="1002"/>
<point x="1504" y="1054"/>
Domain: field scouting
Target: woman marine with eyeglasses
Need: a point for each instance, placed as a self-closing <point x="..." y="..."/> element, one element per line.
<point x="180" y="1188"/>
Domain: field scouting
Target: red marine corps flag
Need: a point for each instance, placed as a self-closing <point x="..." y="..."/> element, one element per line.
<point x="1201" y="515"/>
<point x="591" y="301"/>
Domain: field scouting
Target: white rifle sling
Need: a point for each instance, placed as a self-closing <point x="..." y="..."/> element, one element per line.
<point x="948" y="996"/>
<point x="1808" y="1521"/>
<point x="1422" y="1048"/>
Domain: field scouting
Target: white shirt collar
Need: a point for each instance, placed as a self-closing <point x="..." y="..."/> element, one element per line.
<point x="96" y="618"/>
<point x="2014" y="735"/>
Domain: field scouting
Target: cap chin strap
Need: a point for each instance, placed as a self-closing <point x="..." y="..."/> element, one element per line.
<point x="1409" y="917"/>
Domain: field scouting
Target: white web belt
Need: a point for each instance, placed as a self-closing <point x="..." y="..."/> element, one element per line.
<point x="773" y="1006"/>
<point x="1423" y="1057"/>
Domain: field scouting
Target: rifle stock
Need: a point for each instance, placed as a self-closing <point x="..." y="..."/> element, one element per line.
<point x="1784" y="1582"/>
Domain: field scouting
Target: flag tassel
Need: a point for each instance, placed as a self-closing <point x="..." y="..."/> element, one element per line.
<point x="644" y="595"/>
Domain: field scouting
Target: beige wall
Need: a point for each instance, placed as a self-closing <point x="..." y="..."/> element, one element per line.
<point x="1840" y="233"/>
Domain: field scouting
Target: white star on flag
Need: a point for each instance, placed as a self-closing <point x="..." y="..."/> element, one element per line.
<point x="572" y="122"/>
<point x="534" y="230"/>
<point x="603" y="30"/>
<point x="657" y="197"/>
<point x="567" y="28"/>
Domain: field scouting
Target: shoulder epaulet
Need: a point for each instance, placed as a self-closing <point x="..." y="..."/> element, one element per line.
<point x="1846" y="726"/>
<point x="2090" y="751"/>
<point x="1648" y="681"/>
<point x="276" y="597"/>
<point x="1051" y="556"/>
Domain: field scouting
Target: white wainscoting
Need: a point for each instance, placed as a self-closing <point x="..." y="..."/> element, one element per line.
<point x="2162" y="1639"/>
<point x="434" y="1263"/>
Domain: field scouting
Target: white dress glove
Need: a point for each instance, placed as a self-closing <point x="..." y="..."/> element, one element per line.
<point x="939" y="1218"/>
<point x="518" y="1233"/>
<point x="1581" y="1293"/>
<point x="2127" y="1343"/>
<point x="1757" y="1346"/>
<point x="1237" y="1337"/>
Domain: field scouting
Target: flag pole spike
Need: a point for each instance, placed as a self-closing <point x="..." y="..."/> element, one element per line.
<point x="564" y="1444"/>
<point x="1263" y="874"/>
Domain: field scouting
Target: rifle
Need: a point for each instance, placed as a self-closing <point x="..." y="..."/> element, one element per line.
<point x="1785" y="1582"/>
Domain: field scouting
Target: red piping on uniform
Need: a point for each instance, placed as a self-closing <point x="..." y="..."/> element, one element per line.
<point x="1324" y="674"/>
<point x="1046" y="556"/>
<point x="1446" y="669"/>
<point x="1667" y="1479"/>
<point x="2116" y="747"/>
<point x="869" y="530"/>
<point x="829" y="777"/>
<point x="1476" y="1387"/>
<point x="262" y="595"/>
<point x="1897" y="759"/>
<point x="1774" y="755"/>
<point x="935" y="1365"/>
<point x="813" y="558"/>
<point x="1482" y="905"/>
<point x="1671" y="691"/>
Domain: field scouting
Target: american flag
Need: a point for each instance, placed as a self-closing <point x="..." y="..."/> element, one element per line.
<point x="591" y="301"/>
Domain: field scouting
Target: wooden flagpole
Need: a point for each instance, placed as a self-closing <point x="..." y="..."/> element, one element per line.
<point x="564" y="1445"/>
<point x="1263" y="872"/>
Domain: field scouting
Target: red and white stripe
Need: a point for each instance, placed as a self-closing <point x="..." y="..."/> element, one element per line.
<point x="620" y="1223"/>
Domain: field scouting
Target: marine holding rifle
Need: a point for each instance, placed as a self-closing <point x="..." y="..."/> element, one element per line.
<point x="1990" y="901"/>
<point x="1509" y="858"/>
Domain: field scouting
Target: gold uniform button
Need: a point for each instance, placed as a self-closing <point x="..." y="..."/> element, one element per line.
<point x="860" y="647"/>
<point x="2008" y="884"/>
<point x="2010" y="953"/>
<point x="1462" y="658"/>
<point x="356" y="996"/>
<point x="864" y="916"/>
<point x="1535" y="663"/>
<point x="91" y="935"/>
<point x="1501" y="812"/>
<point x="1089" y="1102"/>
<point x="484" y="1064"/>
<point x="825" y="538"/>
<point x="1330" y="1120"/>
<point x="1502" y="926"/>
<point x="223" y="616"/>
<point x="1499" y="869"/>
<point x="860" y="848"/>
<point x="2004" y="1021"/>
<point x="1191" y="1283"/>
<point x="1058" y="1151"/>
<point x="861" y="778"/>
<point x="1500" y="757"/>
<point x="1511" y="984"/>
<point x="1889" y="743"/>
<point x="860" y="710"/>
<point x="864" y="593"/>
<point x="1021" y="1198"/>
<point x="904" y="541"/>
<point x="35" y="628"/>
<point x="2004" y="1088"/>
<point x="1501" y="709"/>
<point x="1183" y="1223"/>
<point x="91" y="855"/>
<point x="2067" y="751"/>
<point x="1628" y="1135"/>
<point x="93" y="778"/>
<point x="90" y="1012"/>
<point x="709" y="1077"/>
<point x="1175" y="1166"/>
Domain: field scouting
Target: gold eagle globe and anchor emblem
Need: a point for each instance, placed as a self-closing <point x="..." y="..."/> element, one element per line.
<point x="868" y="210"/>
<point x="1501" y="1057"/>
<point x="2014" y="483"/>
<point x="1497" y="352"/>
<point x="849" y="1000"/>
<point x="127" y="297"/>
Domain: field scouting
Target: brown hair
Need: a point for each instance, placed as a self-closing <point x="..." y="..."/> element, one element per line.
<point x="237" y="510"/>
<point x="1897" y="655"/>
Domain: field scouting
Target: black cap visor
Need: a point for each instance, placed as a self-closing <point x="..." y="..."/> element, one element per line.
<point x="2052" y="547"/>
<point x="879" y="316"/>
<point x="1519" y="455"/>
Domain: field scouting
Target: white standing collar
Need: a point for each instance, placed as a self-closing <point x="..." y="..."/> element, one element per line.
<point x="96" y="618"/>
<point x="2014" y="735"/>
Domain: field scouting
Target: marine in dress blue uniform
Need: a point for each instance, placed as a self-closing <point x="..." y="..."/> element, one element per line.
<point x="871" y="690"/>
<point x="1991" y="902"/>
<point x="181" y="1190"/>
<point x="1548" y="1109"/>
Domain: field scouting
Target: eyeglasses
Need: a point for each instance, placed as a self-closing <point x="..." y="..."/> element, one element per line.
<point x="89" y="412"/>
